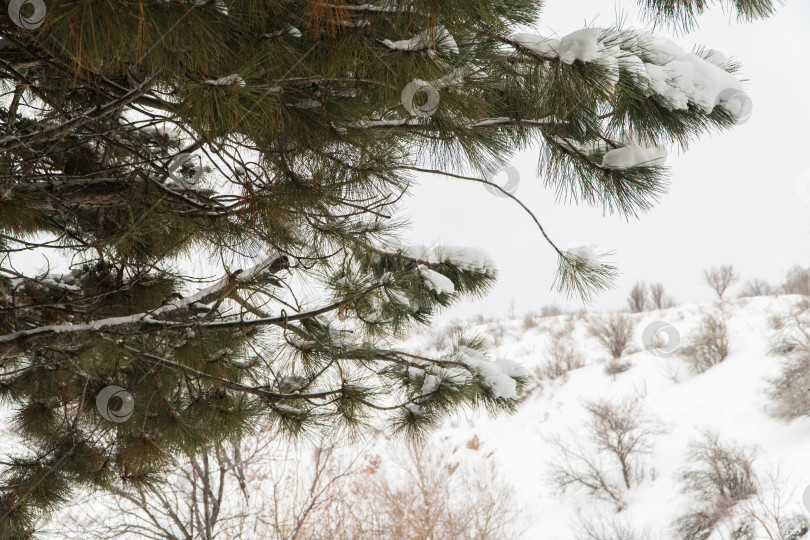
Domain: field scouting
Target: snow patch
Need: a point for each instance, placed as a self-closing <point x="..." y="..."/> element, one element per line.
<point x="678" y="78"/>
<point x="465" y="258"/>
<point x="634" y="154"/>
<point x="435" y="281"/>
<point x="425" y="40"/>
<point x="498" y="375"/>
<point x="584" y="253"/>
<point x="227" y="80"/>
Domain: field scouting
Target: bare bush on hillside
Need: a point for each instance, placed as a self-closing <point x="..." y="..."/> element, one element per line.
<point x="551" y="311"/>
<point x="608" y="528"/>
<point x="607" y="461"/>
<point x="530" y="320"/>
<point x="561" y="354"/>
<point x="789" y="389"/>
<point x="614" y="332"/>
<point x="616" y="366"/>
<point x="797" y="281"/>
<point x="709" y="345"/>
<point x="423" y="493"/>
<point x="267" y="489"/>
<point x="719" y="475"/>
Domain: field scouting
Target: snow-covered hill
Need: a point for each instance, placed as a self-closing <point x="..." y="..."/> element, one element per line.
<point x="729" y="399"/>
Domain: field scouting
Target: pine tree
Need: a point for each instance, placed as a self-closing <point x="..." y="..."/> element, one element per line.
<point x="265" y="144"/>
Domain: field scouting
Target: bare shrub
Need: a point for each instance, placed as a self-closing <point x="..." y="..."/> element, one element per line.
<point x="608" y="462"/>
<point x="793" y="527"/>
<point x="709" y="345"/>
<point x="268" y="489"/>
<point x="720" y="278"/>
<point x="497" y="332"/>
<point x="720" y="472"/>
<point x="551" y="311"/>
<point x="638" y="299"/>
<point x="614" y="332"/>
<point x="423" y="493"/>
<point x="797" y="281"/>
<point x="615" y="367"/>
<point x="776" y="321"/>
<point x="439" y="337"/>
<point x="789" y="390"/>
<point x="562" y="355"/>
<point x="756" y="287"/>
<point x="718" y="477"/>
<point x="608" y="528"/>
<point x="530" y="320"/>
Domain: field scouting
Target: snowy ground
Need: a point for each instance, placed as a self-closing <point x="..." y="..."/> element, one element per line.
<point x="729" y="398"/>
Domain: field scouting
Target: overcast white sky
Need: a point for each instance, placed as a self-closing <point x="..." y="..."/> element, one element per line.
<point x="733" y="197"/>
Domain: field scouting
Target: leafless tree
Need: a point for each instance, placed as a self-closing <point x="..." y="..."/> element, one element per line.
<point x="272" y="490"/>
<point x="797" y="281"/>
<point x="256" y="487"/>
<point x="771" y="513"/>
<point x="577" y="464"/>
<point x="658" y="297"/>
<point x="720" y="278"/>
<point x="608" y="461"/>
<point x="620" y="429"/>
<point x="638" y="299"/>
<point x="756" y="287"/>
<point x="614" y="332"/>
